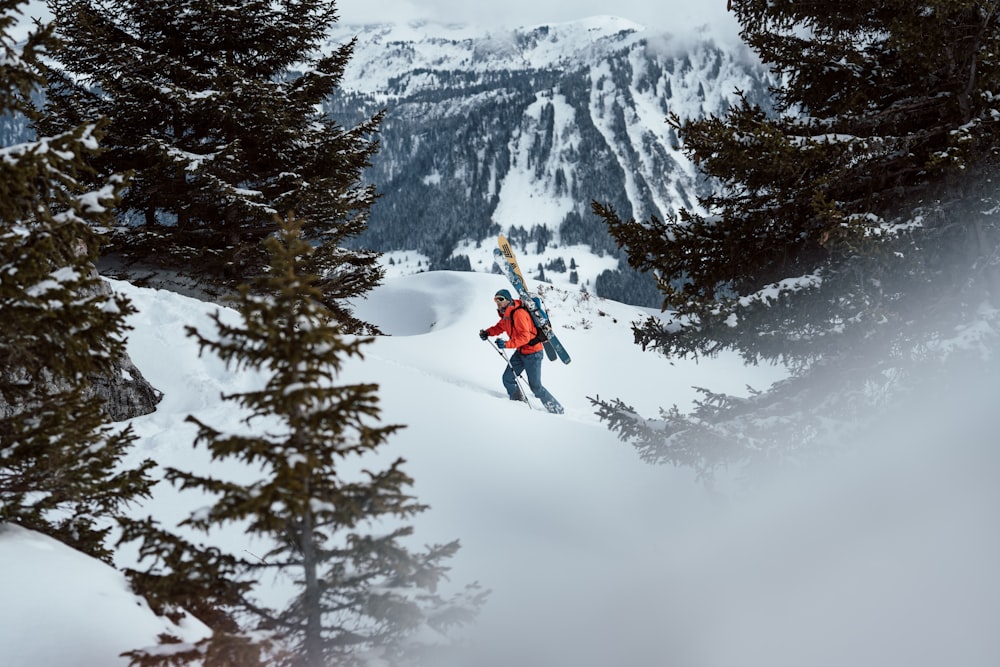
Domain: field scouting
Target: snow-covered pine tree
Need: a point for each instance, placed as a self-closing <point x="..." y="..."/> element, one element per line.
<point x="852" y="235"/>
<point x="357" y="593"/>
<point x="61" y="469"/>
<point x="217" y="111"/>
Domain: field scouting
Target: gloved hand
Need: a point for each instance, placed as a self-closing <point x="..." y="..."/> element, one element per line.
<point x="501" y="344"/>
<point x="483" y="335"/>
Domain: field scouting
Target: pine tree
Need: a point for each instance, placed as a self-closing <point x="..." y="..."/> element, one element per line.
<point x="355" y="592"/>
<point x="60" y="464"/>
<point x="849" y="235"/>
<point x="216" y="110"/>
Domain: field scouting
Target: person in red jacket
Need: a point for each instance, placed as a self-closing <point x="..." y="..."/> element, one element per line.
<point x="516" y="322"/>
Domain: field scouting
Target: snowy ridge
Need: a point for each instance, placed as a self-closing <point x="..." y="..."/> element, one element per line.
<point x="386" y="52"/>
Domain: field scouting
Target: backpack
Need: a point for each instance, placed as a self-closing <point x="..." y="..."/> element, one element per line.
<point x="540" y="336"/>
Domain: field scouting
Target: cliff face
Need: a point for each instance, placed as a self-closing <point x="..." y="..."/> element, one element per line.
<point x="124" y="392"/>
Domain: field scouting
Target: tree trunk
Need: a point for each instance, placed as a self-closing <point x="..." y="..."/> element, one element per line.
<point x="313" y="611"/>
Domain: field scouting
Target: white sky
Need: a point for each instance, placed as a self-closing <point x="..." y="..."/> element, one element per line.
<point x="669" y="15"/>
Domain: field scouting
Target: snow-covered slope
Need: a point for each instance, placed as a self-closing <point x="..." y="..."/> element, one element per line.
<point x="883" y="556"/>
<point x="59" y="608"/>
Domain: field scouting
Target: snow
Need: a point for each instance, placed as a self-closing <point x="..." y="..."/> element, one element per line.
<point x="884" y="555"/>
<point x="526" y="198"/>
<point x="61" y="609"/>
<point x="449" y="46"/>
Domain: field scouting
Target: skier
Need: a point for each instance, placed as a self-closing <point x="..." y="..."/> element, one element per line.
<point x="516" y="322"/>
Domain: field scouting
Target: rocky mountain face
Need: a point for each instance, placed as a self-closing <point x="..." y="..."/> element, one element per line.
<point x="518" y="132"/>
<point x="124" y="392"/>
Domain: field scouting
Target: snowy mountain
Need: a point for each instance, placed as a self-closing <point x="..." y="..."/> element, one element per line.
<point x="518" y="131"/>
<point x="882" y="554"/>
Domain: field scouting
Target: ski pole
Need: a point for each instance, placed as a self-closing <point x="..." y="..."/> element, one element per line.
<point x="517" y="378"/>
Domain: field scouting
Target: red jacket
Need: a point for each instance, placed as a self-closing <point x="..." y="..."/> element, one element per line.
<point x="519" y="327"/>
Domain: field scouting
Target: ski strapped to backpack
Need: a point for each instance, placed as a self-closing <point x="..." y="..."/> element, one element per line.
<point x="504" y="256"/>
